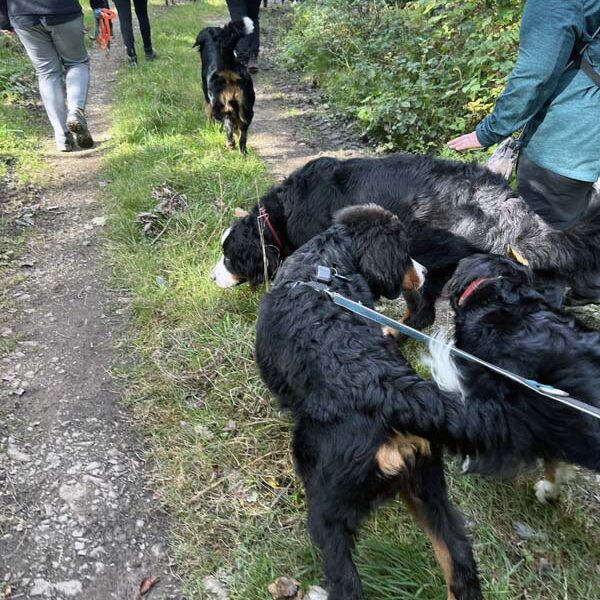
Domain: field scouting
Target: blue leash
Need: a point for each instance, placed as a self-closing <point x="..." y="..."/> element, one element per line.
<point x="372" y="315"/>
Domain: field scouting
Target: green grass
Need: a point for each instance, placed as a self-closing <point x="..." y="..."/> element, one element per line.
<point x="220" y="447"/>
<point x="20" y="126"/>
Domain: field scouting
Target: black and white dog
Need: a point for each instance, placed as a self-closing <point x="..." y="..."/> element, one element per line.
<point x="451" y="210"/>
<point x="226" y="82"/>
<point x="500" y="317"/>
<point x="361" y="414"/>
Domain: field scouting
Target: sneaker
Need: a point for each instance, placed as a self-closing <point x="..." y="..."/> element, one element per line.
<point x="150" y="54"/>
<point x="132" y="61"/>
<point x="253" y="65"/>
<point x="77" y="124"/>
<point x="66" y="144"/>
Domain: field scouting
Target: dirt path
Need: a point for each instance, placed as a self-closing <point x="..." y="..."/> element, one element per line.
<point x="292" y="123"/>
<point x="77" y="515"/>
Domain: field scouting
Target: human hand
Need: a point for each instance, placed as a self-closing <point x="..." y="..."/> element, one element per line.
<point x="467" y="141"/>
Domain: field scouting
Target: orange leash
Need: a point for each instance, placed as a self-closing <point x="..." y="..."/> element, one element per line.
<point x="103" y="39"/>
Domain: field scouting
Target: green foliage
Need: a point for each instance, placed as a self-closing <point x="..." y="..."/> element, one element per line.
<point x="18" y="132"/>
<point x="412" y="73"/>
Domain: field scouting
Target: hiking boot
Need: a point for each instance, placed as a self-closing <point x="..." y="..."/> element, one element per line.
<point x="253" y="65"/>
<point x="66" y="143"/>
<point x="150" y="54"/>
<point x="77" y="124"/>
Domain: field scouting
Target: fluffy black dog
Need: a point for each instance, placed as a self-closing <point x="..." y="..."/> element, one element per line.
<point x="499" y="317"/>
<point x="451" y="210"/>
<point x="358" y="407"/>
<point x="226" y="82"/>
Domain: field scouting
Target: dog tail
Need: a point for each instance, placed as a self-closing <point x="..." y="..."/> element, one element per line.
<point x="572" y="254"/>
<point x="235" y="30"/>
<point x="441" y="364"/>
<point x="248" y="25"/>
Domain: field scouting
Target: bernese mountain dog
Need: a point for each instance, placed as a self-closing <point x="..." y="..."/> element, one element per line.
<point x="500" y="318"/>
<point x="226" y="82"/>
<point x="365" y="424"/>
<point x="451" y="210"/>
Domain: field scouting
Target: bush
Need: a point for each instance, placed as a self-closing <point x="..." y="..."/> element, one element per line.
<point x="16" y="72"/>
<point x="412" y="73"/>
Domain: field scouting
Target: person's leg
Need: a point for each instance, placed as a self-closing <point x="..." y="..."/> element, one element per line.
<point x="238" y="9"/>
<point x="68" y="41"/>
<point x="124" y="11"/>
<point x="141" y="11"/>
<point x="48" y="67"/>
<point x="97" y="24"/>
<point x="253" y="40"/>
<point x="561" y="202"/>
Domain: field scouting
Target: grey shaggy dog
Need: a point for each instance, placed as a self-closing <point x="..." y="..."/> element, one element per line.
<point x="450" y="209"/>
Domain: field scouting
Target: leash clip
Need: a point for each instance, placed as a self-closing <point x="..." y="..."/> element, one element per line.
<point x="326" y="274"/>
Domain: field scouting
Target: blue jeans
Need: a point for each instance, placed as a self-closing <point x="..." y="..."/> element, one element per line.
<point x="54" y="51"/>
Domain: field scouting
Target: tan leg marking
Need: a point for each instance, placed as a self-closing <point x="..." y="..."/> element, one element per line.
<point x="440" y="549"/>
<point x="399" y="452"/>
<point x="411" y="279"/>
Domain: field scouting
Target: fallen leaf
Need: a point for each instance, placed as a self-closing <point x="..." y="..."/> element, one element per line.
<point x="285" y="588"/>
<point x="147" y="584"/>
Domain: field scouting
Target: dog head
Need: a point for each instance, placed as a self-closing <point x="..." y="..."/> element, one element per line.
<point x="242" y="258"/>
<point x="224" y="39"/>
<point x="485" y="278"/>
<point x="380" y="244"/>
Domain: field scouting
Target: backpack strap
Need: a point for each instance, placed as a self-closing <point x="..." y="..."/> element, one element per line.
<point x="587" y="68"/>
<point x="582" y="63"/>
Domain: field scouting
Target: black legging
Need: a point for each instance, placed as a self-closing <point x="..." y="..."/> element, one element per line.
<point x="141" y="11"/>
<point x="561" y="202"/>
<point x="248" y="46"/>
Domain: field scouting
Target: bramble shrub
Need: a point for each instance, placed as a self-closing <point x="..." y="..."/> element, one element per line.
<point x="412" y="73"/>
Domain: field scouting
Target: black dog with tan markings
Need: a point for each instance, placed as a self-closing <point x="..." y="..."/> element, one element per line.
<point x="501" y="318"/>
<point x="226" y="82"/>
<point x="362" y="416"/>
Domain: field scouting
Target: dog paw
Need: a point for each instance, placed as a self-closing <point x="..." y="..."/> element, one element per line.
<point x="391" y="332"/>
<point x="546" y="491"/>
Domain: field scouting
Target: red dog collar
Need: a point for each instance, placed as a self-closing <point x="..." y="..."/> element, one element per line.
<point x="473" y="286"/>
<point x="264" y="215"/>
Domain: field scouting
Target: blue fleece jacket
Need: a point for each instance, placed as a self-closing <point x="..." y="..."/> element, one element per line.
<point x="561" y="107"/>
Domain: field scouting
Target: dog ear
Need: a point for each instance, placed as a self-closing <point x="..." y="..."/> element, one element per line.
<point x="240" y="213"/>
<point x="380" y="245"/>
<point x="200" y="40"/>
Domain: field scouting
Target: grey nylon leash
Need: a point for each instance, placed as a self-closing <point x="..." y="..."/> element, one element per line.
<point x="357" y="308"/>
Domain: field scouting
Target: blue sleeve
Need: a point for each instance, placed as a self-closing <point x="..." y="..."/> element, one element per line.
<point x="549" y="30"/>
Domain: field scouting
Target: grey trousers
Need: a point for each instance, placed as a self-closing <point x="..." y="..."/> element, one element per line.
<point x="54" y="51"/>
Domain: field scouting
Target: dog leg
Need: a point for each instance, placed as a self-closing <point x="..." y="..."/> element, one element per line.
<point x="428" y="502"/>
<point x="556" y="473"/>
<point x="243" y="138"/>
<point x="228" y="126"/>
<point x="332" y="533"/>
